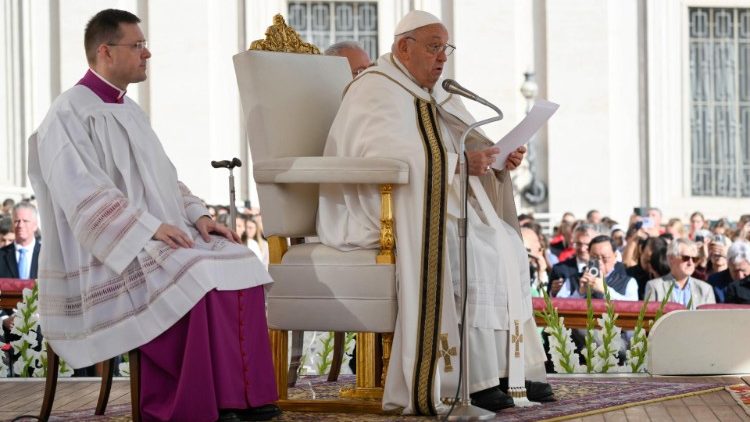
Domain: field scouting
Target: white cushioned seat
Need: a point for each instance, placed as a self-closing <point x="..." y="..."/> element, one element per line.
<point x="319" y="281"/>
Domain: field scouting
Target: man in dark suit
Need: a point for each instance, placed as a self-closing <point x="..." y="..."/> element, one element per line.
<point x="565" y="275"/>
<point x="20" y="258"/>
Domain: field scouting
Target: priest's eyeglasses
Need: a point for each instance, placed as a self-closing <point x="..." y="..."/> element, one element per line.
<point x="436" y="49"/>
<point x="139" y="45"/>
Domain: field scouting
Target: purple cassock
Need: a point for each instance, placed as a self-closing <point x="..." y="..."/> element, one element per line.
<point x="215" y="357"/>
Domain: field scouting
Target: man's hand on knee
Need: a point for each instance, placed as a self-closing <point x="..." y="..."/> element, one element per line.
<point x="173" y="236"/>
<point x="206" y="226"/>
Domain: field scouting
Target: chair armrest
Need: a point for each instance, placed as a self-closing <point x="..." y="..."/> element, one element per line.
<point x="331" y="170"/>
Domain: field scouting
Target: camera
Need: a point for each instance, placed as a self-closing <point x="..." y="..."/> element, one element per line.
<point x="592" y="267"/>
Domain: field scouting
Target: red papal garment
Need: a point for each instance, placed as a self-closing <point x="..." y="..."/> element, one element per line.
<point x="104" y="185"/>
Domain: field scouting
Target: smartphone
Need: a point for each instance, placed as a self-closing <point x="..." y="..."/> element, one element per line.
<point x="640" y="211"/>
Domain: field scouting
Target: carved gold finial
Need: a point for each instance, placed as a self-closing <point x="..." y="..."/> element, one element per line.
<point x="281" y="37"/>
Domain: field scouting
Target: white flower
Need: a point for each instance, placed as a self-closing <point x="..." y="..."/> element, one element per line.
<point x="124" y="369"/>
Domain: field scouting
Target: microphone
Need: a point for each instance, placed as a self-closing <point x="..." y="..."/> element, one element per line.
<point x="454" y="87"/>
<point x="235" y="162"/>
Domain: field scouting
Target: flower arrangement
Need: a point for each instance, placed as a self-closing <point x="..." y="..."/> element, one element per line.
<point x="601" y="345"/>
<point x="31" y="360"/>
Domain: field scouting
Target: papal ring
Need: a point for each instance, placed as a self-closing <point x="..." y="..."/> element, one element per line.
<point x="488" y="167"/>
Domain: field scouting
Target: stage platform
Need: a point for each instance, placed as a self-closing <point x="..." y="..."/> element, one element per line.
<point x="76" y="399"/>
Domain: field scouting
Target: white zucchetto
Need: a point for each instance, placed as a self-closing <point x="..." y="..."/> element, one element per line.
<point x="415" y="19"/>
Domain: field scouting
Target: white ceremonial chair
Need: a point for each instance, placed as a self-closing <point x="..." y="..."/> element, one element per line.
<point x="700" y="342"/>
<point x="289" y="101"/>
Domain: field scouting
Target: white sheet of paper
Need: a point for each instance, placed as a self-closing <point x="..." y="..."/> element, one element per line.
<point x="522" y="133"/>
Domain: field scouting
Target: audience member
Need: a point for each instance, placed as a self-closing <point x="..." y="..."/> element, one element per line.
<point x="738" y="267"/>
<point x="602" y="258"/>
<point x="643" y="271"/>
<point x="565" y="275"/>
<point x="593" y="217"/>
<point x="686" y="290"/>
<point x="697" y="222"/>
<point x="722" y="227"/>
<point x="537" y="262"/>
<point x="8" y="204"/>
<point x="20" y="259"/>
<point x="7" y="235"/>
<point x="675" y="228"/>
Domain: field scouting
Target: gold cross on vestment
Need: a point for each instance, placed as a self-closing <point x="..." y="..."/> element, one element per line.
<point x="517" y="339"/>
<point x="446" y="352"/>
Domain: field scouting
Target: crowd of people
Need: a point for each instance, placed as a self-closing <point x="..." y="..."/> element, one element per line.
<point x="701" y="261"/>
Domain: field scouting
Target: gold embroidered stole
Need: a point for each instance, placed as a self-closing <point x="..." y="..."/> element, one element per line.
<point x="432" y="264"/>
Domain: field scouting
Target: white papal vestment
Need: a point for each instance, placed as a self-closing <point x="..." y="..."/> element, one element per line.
<point x="384" y="113"/>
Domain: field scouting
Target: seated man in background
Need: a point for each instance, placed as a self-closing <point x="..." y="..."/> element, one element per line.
<point x="738" y="268"/>
<point x="686" y="290"/>
<point x="565" y="275"/>
<point x="358" y="58"/>
<point x="620" y="285"/>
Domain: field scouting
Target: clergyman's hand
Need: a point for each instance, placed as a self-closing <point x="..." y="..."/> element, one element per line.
<point x="480" y="161"/>
<point x="173" y="236"/>
<point x="206" y="226"/>
<point x="514" y="158"/>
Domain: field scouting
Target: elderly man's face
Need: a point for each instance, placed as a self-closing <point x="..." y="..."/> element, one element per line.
<point x="416" y="53"/>
<point x="739" y="271"/>
<point x="358" y="60"/>
<point x="683" y="265"/>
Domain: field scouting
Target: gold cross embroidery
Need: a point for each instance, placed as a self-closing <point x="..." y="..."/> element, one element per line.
<point x="446" y="352"/>
<point x="517" y="339"/>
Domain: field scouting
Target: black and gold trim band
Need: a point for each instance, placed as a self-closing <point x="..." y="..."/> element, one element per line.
<point x="431" y="265"/>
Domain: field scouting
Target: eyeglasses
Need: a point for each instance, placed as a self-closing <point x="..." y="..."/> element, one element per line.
<point x="139" y="45"/>
<point x="604" y="259"/>
<point x="436" y="49"/>
<point x="581" y="245"/>
<point x="686" y="258"/>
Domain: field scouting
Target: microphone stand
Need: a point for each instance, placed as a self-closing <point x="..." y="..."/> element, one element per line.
<point x="465" y="411"/>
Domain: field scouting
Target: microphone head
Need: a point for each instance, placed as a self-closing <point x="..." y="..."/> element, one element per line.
<point x="219" y="164"/>
<point x="448" y="84"/>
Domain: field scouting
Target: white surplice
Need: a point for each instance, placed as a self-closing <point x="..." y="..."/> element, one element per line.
<point x="384" y="113"/>
<point x="104" y="185"/>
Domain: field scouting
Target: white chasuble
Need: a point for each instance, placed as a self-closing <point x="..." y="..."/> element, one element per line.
<point x="385" y="114"/>
<point x="104" y="185"/>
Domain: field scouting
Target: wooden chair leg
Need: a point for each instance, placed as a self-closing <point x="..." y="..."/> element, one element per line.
<point x="107" y="369"/>
<point x="338" y="355"/>
<point x="297" y="340"/>
<point x="50" y="385"/>
<point x="134" y="357"/>
<point x="279" y="343"/>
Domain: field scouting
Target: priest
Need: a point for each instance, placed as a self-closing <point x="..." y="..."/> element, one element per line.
<point x="398" y="109"/>
<point x="131" y="258"/>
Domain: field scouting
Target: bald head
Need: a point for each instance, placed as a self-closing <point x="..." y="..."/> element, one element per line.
<point x="358" y="58"/>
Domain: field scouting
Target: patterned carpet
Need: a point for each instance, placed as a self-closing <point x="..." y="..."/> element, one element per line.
<point x="741" y="394"/>
<point x="577" y="397"/>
